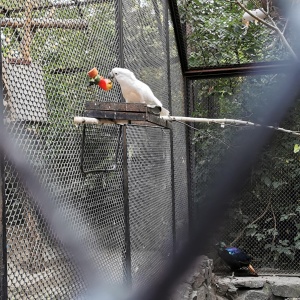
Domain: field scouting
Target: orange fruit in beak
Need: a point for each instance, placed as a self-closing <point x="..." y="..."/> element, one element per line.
<point x="93" y="73"/>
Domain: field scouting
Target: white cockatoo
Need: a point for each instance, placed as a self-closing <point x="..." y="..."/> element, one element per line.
<point x="134" y="90"/>
<point x="256" y="12"/>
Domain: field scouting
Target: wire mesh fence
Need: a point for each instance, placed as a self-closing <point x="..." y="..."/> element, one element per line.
<point x="150" y="194"/>
<point x="124" y="189"/>
<point x="47" y="48"/>
<point x="263" y="219"/>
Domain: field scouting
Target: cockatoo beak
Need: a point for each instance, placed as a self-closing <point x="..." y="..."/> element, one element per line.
<point x="111" y="76"/>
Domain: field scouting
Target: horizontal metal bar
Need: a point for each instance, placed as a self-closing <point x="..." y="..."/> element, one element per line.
<point x="240" y="70"/>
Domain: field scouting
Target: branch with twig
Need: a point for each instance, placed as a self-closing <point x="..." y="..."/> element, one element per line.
<point x="224" y="122"/>
<point x="273" y="27"/>
<point x="253" y="222"/>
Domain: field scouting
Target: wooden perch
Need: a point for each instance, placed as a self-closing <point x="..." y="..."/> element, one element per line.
<point x="121" y="113"/>
<point x="44" y="23"/>
<point x="28" y="23"/>
<point x="4" y="10"/>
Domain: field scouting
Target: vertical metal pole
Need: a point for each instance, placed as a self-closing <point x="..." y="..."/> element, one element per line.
<point x="173" y="193"/>
<point x="3" y="254"/>
<point x="168" y="60"/>
<point x="128" y="275"/>
<point x="190" y="161"/>
<point x="120" y="31"/>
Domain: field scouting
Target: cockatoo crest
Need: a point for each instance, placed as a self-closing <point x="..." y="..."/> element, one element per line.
<point x="134" y="90"/>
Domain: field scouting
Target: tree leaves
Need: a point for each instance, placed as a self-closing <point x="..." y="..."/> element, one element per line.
<point x="296" y="148"/>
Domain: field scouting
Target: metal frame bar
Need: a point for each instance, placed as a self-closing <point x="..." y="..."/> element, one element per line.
<point x="3" y="248"/>
<point x="166" y="26"/>
<point x="239" y="70"/>
<point x="180" y="41"/>
<point x="188" y="109"/>
<point x="127" y="254"/>
<point x="119" y="15"/>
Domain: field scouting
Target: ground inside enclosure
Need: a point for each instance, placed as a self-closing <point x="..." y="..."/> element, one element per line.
<point x="201" y="283"/>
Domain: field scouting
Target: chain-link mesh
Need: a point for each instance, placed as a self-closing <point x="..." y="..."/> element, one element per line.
<point x="100" y="148"/>
<point x="150" y="196"/>
<point x="264" y="218"/>
<point x="47" y="48"/>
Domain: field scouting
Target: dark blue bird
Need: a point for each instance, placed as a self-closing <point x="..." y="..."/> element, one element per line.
<point x="235" y="258"/>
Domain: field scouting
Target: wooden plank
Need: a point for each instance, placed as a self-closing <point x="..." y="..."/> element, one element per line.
<point x="115" y="106"/>
<point x="44" y="23"/>
<point x="115" y="115"/>
<point x="60" y="4"/>
<point x="125" y="107"/>
<point x="125" y="111"/>
<point x="87" y="120"/>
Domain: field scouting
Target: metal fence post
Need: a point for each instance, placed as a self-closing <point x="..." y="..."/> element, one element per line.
<point x="3" y="254"/>
<point x="190" y="163"/>
<point x="120" y="31"/>
<point x="128" y="275"/>
<point x="168" y="60"/>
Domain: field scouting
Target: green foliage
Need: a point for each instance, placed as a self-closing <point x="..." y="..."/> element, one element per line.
<point x="216" y="35"/>
<point x="296" y="148"/>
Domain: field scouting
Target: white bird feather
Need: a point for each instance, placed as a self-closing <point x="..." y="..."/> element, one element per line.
<point x="134" y="90"/>
<point x="260" y="13"/>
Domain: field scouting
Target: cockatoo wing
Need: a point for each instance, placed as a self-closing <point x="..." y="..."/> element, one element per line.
<point x="147" y="94"/>
<point x="257" y="12"/>
<point x="150" y="99"/>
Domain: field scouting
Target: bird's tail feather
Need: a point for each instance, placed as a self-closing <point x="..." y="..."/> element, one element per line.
<point x="252" y="271"/>
<point x="164" y="112"/>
